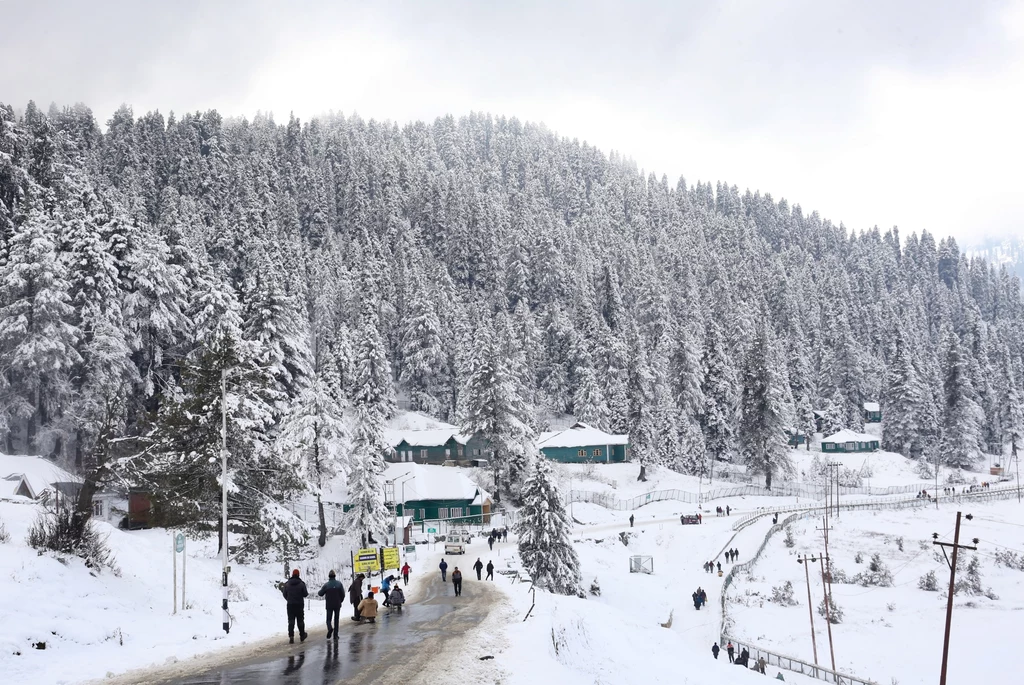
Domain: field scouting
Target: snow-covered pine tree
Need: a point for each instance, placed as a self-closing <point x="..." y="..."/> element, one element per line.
<point x="961" y="428"/>
<point x="314" y="440"/>
<point x="1013" y="416"/>
<point x="544" y="530"/>
<point x="423" y="353"/>
<point x="902" y="403"/>
<point x="718" y="415"/>
<point x="762" y="427"/>
<point x="367" y="514"/>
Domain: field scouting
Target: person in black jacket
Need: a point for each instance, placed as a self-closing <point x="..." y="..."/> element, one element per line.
<point x="295" y="592"/>
<point x="334" y="593"/>
<point x="490" y="570"/>
<point x="355" y="595"/>
<point x="478" y="567"/>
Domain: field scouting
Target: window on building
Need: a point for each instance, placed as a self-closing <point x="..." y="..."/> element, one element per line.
<point x="597" y="452"/>
<point x="476" y="452"/>
<point x="460" y="450"/>
<point x="850" y="446"/>
<point x="423" y="454"/>
<point x="423" y="514"/>
<point x="455" y="512"/>
<point x="581" y="453"/>
<point x="442" y="513"/>
<point x="97" y="508"/>
<point x="447" y="452"/>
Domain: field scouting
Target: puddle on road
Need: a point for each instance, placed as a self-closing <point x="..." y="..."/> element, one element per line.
<point x="319" y="661"/>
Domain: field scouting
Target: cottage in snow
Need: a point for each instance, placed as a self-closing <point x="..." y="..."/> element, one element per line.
<point x="424" y="492"/>
<point x="584" y="443"/>
<point x="872" y="412"/>
<point x="849" y="441"/>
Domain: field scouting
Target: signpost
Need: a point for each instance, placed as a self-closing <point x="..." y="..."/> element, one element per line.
<point x="365" y="561"/>
<point x="391" y="558"/>
<point x="179" y="548"/>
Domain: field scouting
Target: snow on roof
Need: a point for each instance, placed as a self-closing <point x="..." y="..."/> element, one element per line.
<point x="850" y="436"/>
<point x="433" y="482"/>
<point x="421" y="430"/>
<point x="872" y="406"/>
<point x="581" y="435"/>
<point x="38" y="472"/>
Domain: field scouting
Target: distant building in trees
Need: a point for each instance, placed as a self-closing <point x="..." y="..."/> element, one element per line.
<point x="583" y="443"/>
<point x="849" y="441"/>
<point x="872" y="412"/>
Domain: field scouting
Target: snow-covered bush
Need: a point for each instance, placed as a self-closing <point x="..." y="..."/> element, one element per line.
<point x="4" y="535"/>
<point x="899" y="543"/>
<point x="789" y="541"/>
<point x="838" y="575"/>
<point x="595" y="588"/>
<point x="969" y="580"/>
<point x="1003" y="558"/>
<point x="858" y="558"/>
<point x="783" y="595"/>
<point x="924" y="470"/>
<point x="929" y="582"/>
<point x="62" y="530"/>
<point x="834" y="613"/>
<point x="876" y="575"/>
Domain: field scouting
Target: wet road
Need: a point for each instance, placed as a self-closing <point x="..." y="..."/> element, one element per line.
<point x="396" y="647"/>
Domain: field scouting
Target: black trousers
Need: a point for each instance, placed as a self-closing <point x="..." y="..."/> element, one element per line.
<point x="333" y="612"/>
<point x="355" y="611"/>
<point x="478" y="574"/>
<point x="490" y="575"/>
<point x="387" y="597"/>
<point x="457" y="584"/>
<point x="296" y="614"/>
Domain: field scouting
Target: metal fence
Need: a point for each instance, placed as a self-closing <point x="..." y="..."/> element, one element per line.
<point x="813" y="492"/>
<point x="795" y="665"/>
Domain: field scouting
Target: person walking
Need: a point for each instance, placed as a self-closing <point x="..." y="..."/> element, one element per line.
<point x="294" y="592"/>
<point x="729" y="649"/>
<point x="719" y="567"/>
<point x="703" y="595"/>
<point x="696" y="601"/>
<point x="333" y="593"/>
<point x="735" y="554"/>
<point x="728" y="510"/>
<point x="490" y="543"/>
<point x="478" y="567"/>
<point x="761" y="665"/>
<point x="355" y="595"/>
<point x="490" y="570"/>
<point x="630" y="520"/>
<point x="368" y="609"/>
<point x="700" y="518"/>
<point x="715" y="649"/>
<point x="444" y="570"/>
<point x="457" y="581"/>
<point x="405" y="573"/>
<point x="504" y="534"/>
<point x="385" y="587"/>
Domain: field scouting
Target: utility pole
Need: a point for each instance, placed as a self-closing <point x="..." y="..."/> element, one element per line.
<point x="810" y="603"/>
<point x="952" y="585"/>
<point x="827" y="592"/>
<point x="224" y="496"/>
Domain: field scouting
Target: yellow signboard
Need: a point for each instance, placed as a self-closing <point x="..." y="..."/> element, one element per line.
<point x="391" y="558"/>
<point x="366" y="560"/>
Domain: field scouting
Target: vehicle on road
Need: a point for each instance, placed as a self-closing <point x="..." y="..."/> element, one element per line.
<point x="455" y="543"/>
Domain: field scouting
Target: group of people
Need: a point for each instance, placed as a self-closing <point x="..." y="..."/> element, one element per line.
<point x="457" y="574"/>
<point x="497" y="536"/>
<point x="700" y="598"/>
<point x="723" y="511"/>
<point x="743" y="659"/>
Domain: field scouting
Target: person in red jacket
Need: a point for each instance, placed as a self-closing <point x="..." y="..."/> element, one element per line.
<point x="405" y="573"/>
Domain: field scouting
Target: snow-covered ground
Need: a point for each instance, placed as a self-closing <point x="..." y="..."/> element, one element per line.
<point x="893" y="632"/>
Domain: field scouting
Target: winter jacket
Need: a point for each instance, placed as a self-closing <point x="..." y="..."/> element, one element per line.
<point x="294" y="590"/>
<point x="714" y="650"/>
<point x="457" y="575"/>
<point x="385" y="585"/>
<point x="406" y="570"/>
<point x="478" y="565"/>
<point x="355" y="592"/>
<point x="397" y="597"/>
<point x="443" y="565"/>
<point x="490" y="567"/>
<point x="333" y="592"/>
<point x="368" y="608"/>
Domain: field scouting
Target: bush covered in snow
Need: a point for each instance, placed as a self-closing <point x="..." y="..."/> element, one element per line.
<point x="876" y="575"/>
<point x="4" y="535"/>
<point x="858" y="558"/>
<point x="783" y="595"/>
<point x="595" y="588"/>
<point x="62" y="530"/>
<point x="789" y="541"/>
<point x="969" y="580"/>
<point x="929" y="582"/>
<point x="1003" y="558"/>
<point x="834" y="613"/>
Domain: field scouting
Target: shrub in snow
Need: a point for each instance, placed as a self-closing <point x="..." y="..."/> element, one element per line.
<point x="595" y="588"/>
<point x="858" y="558"/>
<point x="899" y="544"/>
<point x="789" y="541"/>
<point x="64" y="531"/>
<point x="545" y="546"/>
<point x="876" y="574"/>
<point x="1003" y="558"/>
<point x="969" y="580"/>
<point x="4" y="535"/>
<point x="834" y="613"/>
<point x="891" y="606"/>
<point x="929" y="582"/>
<point x="836" y="575"/>
<point x="783" y="595"/>
<point x="924" y="470"/>
<point x="955" y="477"/>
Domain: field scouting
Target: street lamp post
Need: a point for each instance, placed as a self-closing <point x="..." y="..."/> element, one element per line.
<point x="224" y="495"/>
<point x="395" y="482"/>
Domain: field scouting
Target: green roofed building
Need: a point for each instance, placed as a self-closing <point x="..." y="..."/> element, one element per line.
<point x="582" y="443"/>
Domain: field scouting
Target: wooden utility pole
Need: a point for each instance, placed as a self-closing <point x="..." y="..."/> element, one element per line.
<point x="810" y="603"/>
<point x="952" y="585"/>
<point x="828" y="610"/>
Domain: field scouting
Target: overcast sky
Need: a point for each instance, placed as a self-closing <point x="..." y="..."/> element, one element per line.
<point x="887" y="112"/>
